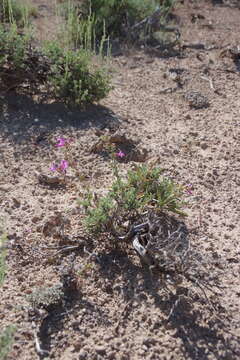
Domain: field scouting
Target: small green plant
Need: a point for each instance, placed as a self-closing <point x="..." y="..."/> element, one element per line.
<point x="143" y="189"/>
<point x="6" y="341"/>
<point x="3" y="253"/>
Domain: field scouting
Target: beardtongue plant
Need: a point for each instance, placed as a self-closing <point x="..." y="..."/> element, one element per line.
<point x="62" y="167"/>
<point x="68" y="160"/>
<point x="142" y="189"/>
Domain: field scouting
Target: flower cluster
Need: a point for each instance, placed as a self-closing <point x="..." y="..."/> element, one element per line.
<point x="64" y="164"/>
<point x="62" y="167"/>
<point x="62" y="142"/>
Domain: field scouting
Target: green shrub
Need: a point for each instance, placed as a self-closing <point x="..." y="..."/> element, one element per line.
<point x="91" y="23"/>
<point x="72" y="76"/>
<point x="75" y="79"/>
<point x="116" y="16"/>
<point x="17" y="70"/>
<point x="14" y="47"/>
<point x="144" y="188"/>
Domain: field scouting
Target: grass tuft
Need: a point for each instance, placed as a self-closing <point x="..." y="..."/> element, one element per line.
<point x="144" y="189"/>
<point x="14" y="11"/>
<point x="3" y="253"/>
<point x="6" y="341"/>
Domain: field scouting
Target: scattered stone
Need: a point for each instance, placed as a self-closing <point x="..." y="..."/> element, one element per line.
<point x="232" y="51"/>
<point x="118" y="138"/>
<point x="100" y="349"/>
<point x="204" y="146"/>
<point x="196" y="100"/>
<point x="111" y="355"/>
<point x="138" y="155"/>
<point x="35" y="219"/>
<point x="16" y="202"/>
<point x="120" y="142"/>
<point x="55" y="225"/>
<point x="49" y="180"/>
<point x="5" y="187"/>
<point x="82" y="354"/>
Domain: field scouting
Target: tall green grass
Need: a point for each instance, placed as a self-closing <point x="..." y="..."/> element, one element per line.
<point x="118" y="15"/>
<point x="16" y="11"/>
<point x="79" y="30"/>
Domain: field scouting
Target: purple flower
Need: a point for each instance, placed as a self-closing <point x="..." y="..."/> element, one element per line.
<point x="63" y="165"/>
<point x="120" y="154"/>
<point x="53" y="167"/>
<point x="61" y="142"/>
<point x="189" y="188"/>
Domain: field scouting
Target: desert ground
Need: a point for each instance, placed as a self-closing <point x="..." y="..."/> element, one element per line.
<point x="118" y="309"/>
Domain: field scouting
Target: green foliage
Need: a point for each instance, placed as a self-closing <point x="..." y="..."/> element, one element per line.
<point x="99" y="214"/>
<point x="13" y="51"/>
<point x="117" y="15"/>
<point x="74" y="79"/>
<point x="144" y="188"/>
<point x="15" y="11"/>
<point x="78" y="31"/>
<point x="114" y="13"/>
<point x="90" y="23"/>
<point x="72" y="76"/>
<point x="3" y="253"/>
<point x="6" y="341"/>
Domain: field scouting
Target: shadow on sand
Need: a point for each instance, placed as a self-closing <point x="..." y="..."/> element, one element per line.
<point x="22" y="119"/>
<point x="202" y="336"/>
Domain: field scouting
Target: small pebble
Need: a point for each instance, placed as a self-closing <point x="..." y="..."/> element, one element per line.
<point x="204" y="146"/>
<point x="100" y="349"/>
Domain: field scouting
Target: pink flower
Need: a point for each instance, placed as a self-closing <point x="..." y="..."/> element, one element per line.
<point x="120" y="154"/>
<point x="61" y="142"/>
<point x="189" y="188"/>
<point x="53" y="167"/>
<point x="63" y="165"/>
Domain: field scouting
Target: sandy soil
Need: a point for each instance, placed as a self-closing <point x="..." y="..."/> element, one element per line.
<point x="119" y="311"/>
